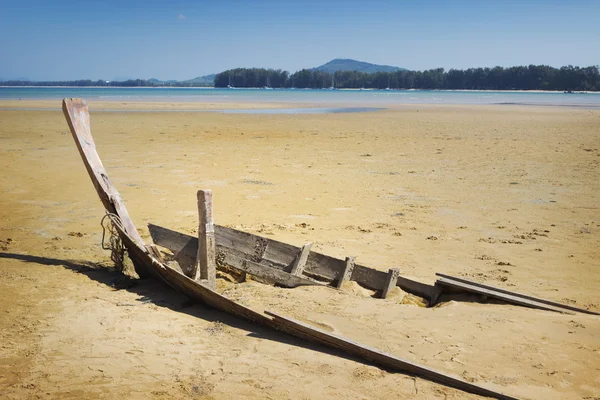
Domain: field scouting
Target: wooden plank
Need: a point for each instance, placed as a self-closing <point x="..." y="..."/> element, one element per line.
<point x="78" y="118"/>
<point x="77" y="115"/>
<point x="271" y="275"/>
<point x="521" y="295"/>
<point x="370" y="278"/>
<point x="415" y="287"/>
<point x="206" y="265"/>
<point x="307" y="332"/>
<point x="391" y="280"/>
<point x="279" y="255"/>
<point x="184" y="246"/>
<point x="347" y="272"/>
<point x="233" y="238"/>
<point x="300" y="260"/>
<point x="509" y="298"/>
<point x="173" y="240"/>
<point x="324" y="266"/>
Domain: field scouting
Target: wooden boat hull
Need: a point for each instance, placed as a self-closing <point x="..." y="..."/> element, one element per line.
<point x="234" y="245"/>
<point x="77" y="115"/>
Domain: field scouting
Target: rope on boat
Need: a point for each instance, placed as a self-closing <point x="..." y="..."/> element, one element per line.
<point x="113" y="242"/>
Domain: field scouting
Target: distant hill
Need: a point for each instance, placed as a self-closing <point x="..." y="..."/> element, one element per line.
<point x="122" y="78"/>
<point x="160" y="82"/>
<point x="208" y="80"/>
<point x="346" y="64"/>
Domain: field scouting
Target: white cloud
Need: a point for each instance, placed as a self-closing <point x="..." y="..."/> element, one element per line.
<point x="181" y="16"/>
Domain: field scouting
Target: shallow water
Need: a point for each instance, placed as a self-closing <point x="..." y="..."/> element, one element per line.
<point x="358" y="98"/>
<point x="308" y="110"/>
<point x="311" y="110"/>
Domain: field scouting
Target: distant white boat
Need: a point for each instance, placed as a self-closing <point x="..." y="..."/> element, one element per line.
<point x="268" y="86"/>
<point x="332" y="82"/>
<point x="389" y="81"/>
<point x="230" y="86"/>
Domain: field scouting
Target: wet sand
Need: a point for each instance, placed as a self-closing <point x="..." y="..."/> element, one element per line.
<point x="508" y="196"/>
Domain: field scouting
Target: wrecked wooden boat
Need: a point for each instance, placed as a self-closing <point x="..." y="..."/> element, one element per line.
<point x="272" y="262"/>
<point x="254" y="254"/>
<point x="266" y="259"/>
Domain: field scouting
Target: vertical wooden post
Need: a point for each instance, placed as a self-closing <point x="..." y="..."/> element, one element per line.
<point x="390" y="282"/>
<point x="300" y="261"/>
<point x="206" y="269"/>
<point x="347" y="272"/>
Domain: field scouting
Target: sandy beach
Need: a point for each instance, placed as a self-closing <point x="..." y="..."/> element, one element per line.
<point x="504" y="195"/>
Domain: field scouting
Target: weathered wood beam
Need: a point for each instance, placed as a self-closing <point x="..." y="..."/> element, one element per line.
<point x="271" y="275"/>
<point x="78" y="117"/>
<point x="300" y="261"/>
<point x="346" y="273"/>
<point x="390" y="283"/>
<point x="185" y="249"/>
<point x="280" y="255"/>
<point x="206" y="265"/>
<point x="311" y="333"/>
<point x="508" y="296"/>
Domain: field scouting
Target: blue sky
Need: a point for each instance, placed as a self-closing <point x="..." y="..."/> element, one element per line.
<point x="177" y="39"/>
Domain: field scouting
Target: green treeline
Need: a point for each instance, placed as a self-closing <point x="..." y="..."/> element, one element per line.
<point x="253" y="78"/>
<point x="533" y="77"/>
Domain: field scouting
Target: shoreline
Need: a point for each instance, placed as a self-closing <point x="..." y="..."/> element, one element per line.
<point x="311" y="89"/>
<point x="240" y="105"/>
<point x="212" y="98"/>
